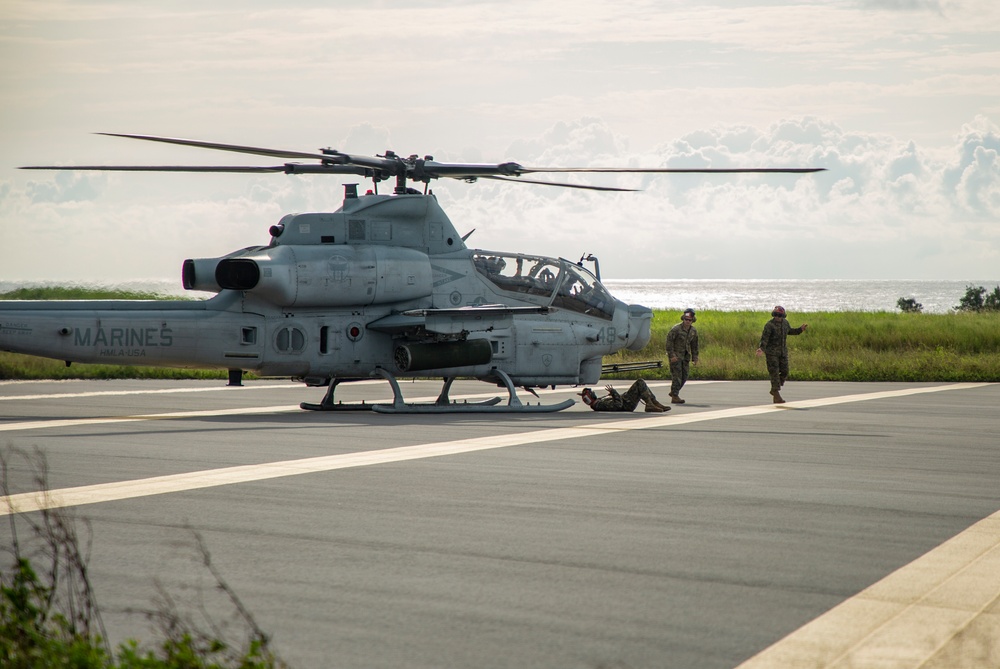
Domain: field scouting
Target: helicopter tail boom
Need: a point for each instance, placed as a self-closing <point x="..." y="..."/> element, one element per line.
<point x="124" y="332"/>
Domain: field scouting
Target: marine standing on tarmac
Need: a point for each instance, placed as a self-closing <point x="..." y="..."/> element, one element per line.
<point x="773" y="345"/>
<point x="615" y="401"/>
<point x="682" y="351"/>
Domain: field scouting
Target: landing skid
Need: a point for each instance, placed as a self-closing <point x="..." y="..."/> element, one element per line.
<point x="443" y="404"/>
<point x="327" y="403"/>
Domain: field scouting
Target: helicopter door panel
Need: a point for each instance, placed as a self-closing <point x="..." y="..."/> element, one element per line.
<point x="599" y="338"/>
<point x="249" y="351"/>
<point x="381" y="231"/>
<point x="285" y="345"/>
<point x="402" y="274"/>
<point x="546" y="349"/>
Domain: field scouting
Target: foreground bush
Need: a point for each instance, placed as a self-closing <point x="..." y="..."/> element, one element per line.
<point x="49" y="615"/>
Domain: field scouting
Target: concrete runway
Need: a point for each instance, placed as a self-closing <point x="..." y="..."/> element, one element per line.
<point x="855" y="526"/>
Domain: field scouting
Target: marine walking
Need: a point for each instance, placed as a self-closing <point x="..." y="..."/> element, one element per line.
<point x="682" y="352"/>
<point x="773" y="345"/>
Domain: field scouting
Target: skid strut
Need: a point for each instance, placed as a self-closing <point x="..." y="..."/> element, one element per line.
<point x="443" y="404"/>
<point x="327" y="403"/>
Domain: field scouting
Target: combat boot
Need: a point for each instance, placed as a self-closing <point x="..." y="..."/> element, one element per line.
<point x="655" y="408"/>
<point x="777" y="397"/>
<point x="656" y="402"/>
<point x="676" y="399"/>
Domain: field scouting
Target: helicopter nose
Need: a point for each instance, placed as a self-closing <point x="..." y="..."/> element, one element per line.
<point x="640" y="321"/>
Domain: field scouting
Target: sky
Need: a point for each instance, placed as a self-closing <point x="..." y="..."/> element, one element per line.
<point x="898" y="99"/>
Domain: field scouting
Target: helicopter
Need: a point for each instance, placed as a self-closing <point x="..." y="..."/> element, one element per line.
<point x="383" y="287"/>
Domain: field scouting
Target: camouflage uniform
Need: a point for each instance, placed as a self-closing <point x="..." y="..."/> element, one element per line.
<point x="615" y="401"/>
<point x="773" y="343"/>
<point x="683" y="345"/>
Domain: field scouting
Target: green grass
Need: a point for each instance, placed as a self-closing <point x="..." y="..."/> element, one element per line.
<point x="16" y="366"/>
<point x="841" y="346"/>
<point x="79" y="293"/>
<point x="838" y="346"/>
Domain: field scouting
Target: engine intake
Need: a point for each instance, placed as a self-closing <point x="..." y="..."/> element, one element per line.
<point x="237" y="274"/>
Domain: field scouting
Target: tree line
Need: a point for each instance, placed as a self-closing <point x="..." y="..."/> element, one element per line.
<point x="976" y="299"/>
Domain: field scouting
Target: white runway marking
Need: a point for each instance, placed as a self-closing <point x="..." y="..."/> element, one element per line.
<point x="77" y="422"/>
<point x="941" y="610"/>
<point x="107" y="492"/>
<point x="156" y="391"/>
<point x="287" y="408"/>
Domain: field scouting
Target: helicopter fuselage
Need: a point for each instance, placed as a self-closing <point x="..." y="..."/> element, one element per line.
<point x="384" y="282"/>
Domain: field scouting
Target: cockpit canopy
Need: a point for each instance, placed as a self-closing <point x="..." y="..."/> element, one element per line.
<point x="558" y="282"/>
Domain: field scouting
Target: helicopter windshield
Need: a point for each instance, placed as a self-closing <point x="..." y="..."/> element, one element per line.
<point x="578" y="290"/>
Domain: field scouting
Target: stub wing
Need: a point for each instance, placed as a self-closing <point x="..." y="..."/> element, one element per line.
<point x="453" y="321"/>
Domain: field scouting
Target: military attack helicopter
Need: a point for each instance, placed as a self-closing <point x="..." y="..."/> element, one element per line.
<point x="383" y="287"/>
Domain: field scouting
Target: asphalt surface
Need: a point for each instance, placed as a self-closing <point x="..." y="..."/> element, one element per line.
<point x="573" y="539"/>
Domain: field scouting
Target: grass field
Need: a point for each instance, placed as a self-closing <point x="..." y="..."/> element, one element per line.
<point x="838" y="346"/>
<point x="841" y="346"/>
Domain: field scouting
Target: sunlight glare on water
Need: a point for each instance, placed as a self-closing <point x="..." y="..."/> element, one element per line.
<point x="713" y="294"/>
<point x="794" y="295"/>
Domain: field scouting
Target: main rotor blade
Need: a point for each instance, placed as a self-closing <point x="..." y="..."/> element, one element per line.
<point x="678" y="170"/>
<point x="236" y="148"/>
<point x="554" y="183"/>
<point x="159" y="168"/>
<point x="328" y="161"/>
<point x="387" y="165"/>
<point x="287" y="168"/>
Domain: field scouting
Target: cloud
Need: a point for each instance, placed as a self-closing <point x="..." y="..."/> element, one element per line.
<point x="366" y="137"/>
<point x="972" y="180"/>
<point x="881" y="201"/>
<point x="581" y="143"/>
<point x="67" y="187"/>
<point x="876" y="212"/>
<point x="873" y="90"/>
<point x="905" y="5"/>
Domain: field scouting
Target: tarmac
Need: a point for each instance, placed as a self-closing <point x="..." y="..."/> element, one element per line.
<point x="855" y="526"/>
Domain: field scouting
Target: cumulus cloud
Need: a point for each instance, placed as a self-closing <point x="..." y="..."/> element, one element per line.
<point x="365" y="137"/>
<point x="884" y="208"/>
<point x="870" y="89"/>
<point x="581" y="143"/>
<point x="67" y="187"/>
<point x="905" y="5"/>
<point x="881" y="201"/>
<point x="972" y="180"/>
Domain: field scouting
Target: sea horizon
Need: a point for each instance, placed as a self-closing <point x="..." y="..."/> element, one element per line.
<point x="801" y="295"/>
<point x="796" y="295"/>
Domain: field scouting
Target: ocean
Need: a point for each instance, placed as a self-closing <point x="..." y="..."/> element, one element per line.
<point x="803" y="295"/>
<point x="719" y="294"/>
